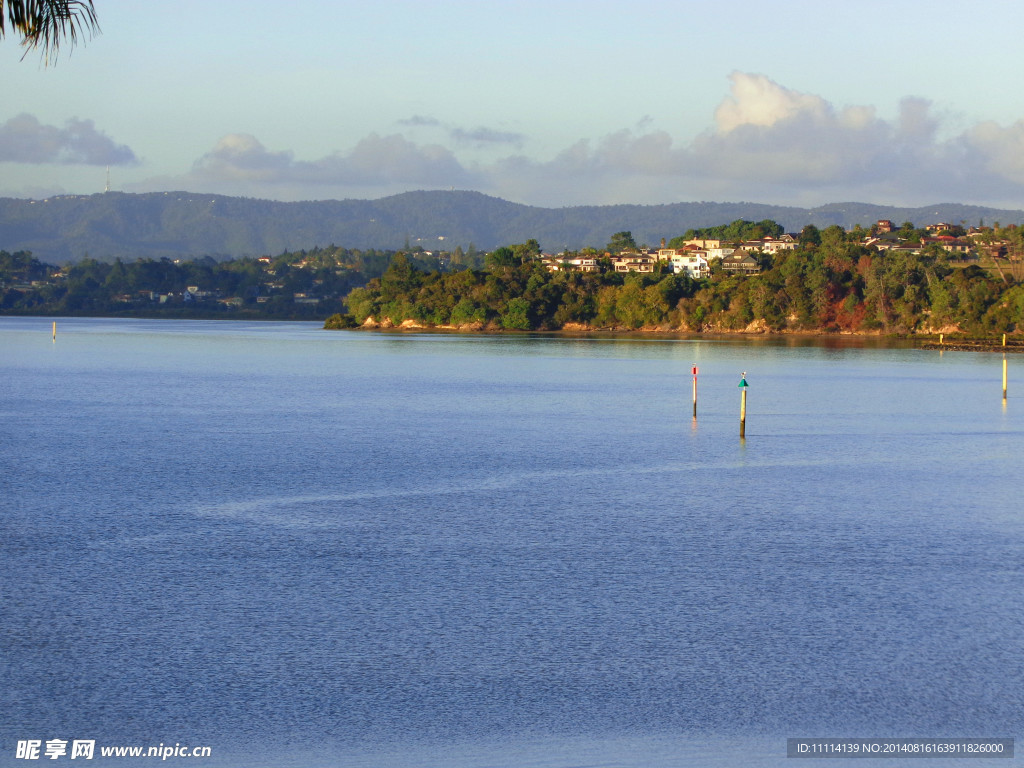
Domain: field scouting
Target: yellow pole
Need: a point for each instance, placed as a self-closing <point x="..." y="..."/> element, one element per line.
<point x="940" y="339"/>
<point x="55" y="330"/>
<point x="1004" y="378"/>
<point x="1004" y="339"/>
<point x="743" y="405"/>
<point x="743" y="413"/>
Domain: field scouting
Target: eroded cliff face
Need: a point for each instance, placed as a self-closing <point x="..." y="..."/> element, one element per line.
<point x="756" y="327"/>
<point x="385" y="323"/>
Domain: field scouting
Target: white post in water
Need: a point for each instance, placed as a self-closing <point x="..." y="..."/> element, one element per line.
<point x="695" y="393"/>
<point x="743" y="405"/>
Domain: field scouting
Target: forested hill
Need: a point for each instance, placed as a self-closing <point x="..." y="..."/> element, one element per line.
<point x="185" y="224"/>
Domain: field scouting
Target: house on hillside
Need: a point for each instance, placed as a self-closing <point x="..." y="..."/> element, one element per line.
<point x="634" y="262"/>
<point x="906" y="250"/>
<point x="688" y="260"/>
<point x="719" y="253"/>
<point x="773" y="245"/>
<point x="704" y="243"/>
<point x="741" y="262"/>
<point x="570" y="263"/>
<point x="950" y="244"/>
<point x="884" y="241"/>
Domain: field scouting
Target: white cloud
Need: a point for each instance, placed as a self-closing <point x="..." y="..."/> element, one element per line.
<point x="774" y="144"/>
<point x="395" y="159"/>
<point x="1000" y="150"/>
<point x="916" y="121"/>
<point x="766" y="142"/>
<point x="375" y="161"/>
<point x="23" y="139"/>
<point x="757" y="100"/>
<point x="240" y="156"/>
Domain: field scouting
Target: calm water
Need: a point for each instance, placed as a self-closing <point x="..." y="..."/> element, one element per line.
<point x="310" y="548"/>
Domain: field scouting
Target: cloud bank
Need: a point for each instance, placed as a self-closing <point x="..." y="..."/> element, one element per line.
<point x="23" y="139"/>
<point x="765" y="142"/>
<point x="375" y="160"/>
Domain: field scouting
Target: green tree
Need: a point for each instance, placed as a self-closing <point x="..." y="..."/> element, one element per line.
<point x="339" y="322"/>
<point x="117" y="278"/>
<point x="833" y="236"/>
<point x="500" y="258"/>
<point x="399" y="279"/>
<point x="735" y="232"/>
<point x="622" y="241"/>
<point x="467" y="311"/>
<point x="527" y="251"/>
<point x="516" y="316"/>
<point x="363" y="303"/>
<point x="810" y="235"/>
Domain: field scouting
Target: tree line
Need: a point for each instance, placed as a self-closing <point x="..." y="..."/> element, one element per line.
<point x="249" y="287"/>
<point x="830" y="283"/>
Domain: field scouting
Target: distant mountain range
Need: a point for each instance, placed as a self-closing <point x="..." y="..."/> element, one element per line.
<point x="187" y="224"/>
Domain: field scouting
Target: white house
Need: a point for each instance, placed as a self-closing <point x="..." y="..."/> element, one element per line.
<point x="695" y="264"/>
<point x="571" y="263"/>
<point x="719" y="253"/>
<point x="773" y="246"/>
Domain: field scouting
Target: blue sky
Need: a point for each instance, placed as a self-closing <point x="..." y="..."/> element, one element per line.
<point x="550" y="103"/>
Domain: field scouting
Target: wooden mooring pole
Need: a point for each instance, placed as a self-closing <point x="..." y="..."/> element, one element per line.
<point x="695" y="393"/>
<point x="743" y="405"/>
<point x="1004" y="378"/>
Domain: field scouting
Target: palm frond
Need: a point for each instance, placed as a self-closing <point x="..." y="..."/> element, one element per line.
<point x="46" y="25"/>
